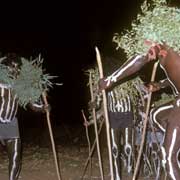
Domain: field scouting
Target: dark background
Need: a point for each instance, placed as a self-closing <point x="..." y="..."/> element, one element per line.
<point x="65" y="34"/>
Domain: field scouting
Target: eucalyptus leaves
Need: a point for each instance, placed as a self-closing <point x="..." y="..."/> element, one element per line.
<point x="30" y="83"/>
<point x="157" y="23"/>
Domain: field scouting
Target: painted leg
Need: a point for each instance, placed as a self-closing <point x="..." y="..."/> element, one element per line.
<point x="171" y="151"/>
<point x="115" y="135"/>
<point x="14" y="155"/>
<point x="128" y="148"/>
<point x="159" y="118"/>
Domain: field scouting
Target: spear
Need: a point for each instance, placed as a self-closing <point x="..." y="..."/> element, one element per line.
<point x="99" y="62"/>
<point x="145" y="123"/>
<point x="44" y="95"/>
<point x="96" y="128"/>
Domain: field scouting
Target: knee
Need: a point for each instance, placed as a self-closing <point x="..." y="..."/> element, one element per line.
<point x="164" y="157"/>
<point x="115" y="151"/>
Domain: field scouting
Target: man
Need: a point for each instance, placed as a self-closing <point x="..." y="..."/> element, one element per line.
<point x="170" y="62"/>
<point x="9" y="128"/>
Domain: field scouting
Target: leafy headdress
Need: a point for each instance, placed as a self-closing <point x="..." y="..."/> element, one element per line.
<point x="157" y="23"/>
<point x="30" y="83"/>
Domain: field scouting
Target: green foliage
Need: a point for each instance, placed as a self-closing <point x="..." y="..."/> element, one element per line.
<point x="165" y="98"/>
<point x="5" y="77"/>
<point x="31" y="82"/>
<point x="157" y="23"/>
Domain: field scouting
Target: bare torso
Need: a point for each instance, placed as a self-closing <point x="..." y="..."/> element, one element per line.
<point x="171" y="65"/>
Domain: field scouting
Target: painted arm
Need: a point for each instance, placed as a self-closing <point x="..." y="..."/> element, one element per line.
<point x="39" y="107"/>
<point x="130" y="67"/>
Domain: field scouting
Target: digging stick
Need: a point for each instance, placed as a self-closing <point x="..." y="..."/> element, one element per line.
<point x="99" y="62"/>
<point x="96" y="128"/>
<point x="51" y="136"/>
<point x="145" y="123"/>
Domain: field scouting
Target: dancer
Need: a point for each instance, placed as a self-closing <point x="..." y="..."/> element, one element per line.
<point x="9" y="128"/>
<point x="169" y="61"/>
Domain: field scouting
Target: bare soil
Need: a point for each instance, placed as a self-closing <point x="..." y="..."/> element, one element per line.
<point x="38" y="161"/>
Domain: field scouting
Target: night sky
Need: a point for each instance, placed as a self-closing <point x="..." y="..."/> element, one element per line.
<point x="66" y="34"/>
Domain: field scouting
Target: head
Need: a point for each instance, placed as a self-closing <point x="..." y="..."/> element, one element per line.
<point x="13" y="62"/>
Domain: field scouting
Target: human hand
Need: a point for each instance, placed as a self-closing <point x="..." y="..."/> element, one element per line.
<point x="46" y="108"/>
<point x="153" y="86"/>
<point x="102" y="84"/>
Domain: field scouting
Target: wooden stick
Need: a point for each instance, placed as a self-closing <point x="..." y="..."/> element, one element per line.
<point x="145" y="123"/>
<point x="51" y="136"/>
<point x="99" y="62"/>
<point x="92" y="150"/>
<point x="96" y="128"/>
<point x="89" y="143"/>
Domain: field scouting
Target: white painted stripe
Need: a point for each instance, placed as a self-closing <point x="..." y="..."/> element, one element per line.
<point x="170" y="154"/>
<point x="14" y="160"/>
<point x="175" y="89"/>
<point x="2" y="104"/>
<point x="122" y="107"/>
<point x="163" y="157"/>
<point x="119" y="106"/>
<point x="153" y="116"/>
<point x="129" y="102"/>
<point x="178" y="158"/>
<point x="110" y="102"/>
<point x="8" y="104"/>
<point x="114" y="145"/>
<point x="12" y="108"/>
<point x="116" y="74"/>
<point x="5" y="86"/>
<point x="37" y="105"/>
<point x="125" y="105"/>
<point x="113" y="101"/>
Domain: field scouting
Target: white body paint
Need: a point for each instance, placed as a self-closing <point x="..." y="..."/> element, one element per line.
<point x="8" y="106"/>
<point x="175" y="89"/>
<point x="14" y="158"/>
<point x="128" y="147"/>
<point x="116" y="74"/>
<point x="114" y="145"/>
<point x="153" y="117"/>
<point x="170" y="153"/>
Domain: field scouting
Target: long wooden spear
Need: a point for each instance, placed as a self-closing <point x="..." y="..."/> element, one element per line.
<point x="51" y="136"/>
<point x="145" y="123"/>
<point x="99" y="62"/>
<point x="96" y="128"/>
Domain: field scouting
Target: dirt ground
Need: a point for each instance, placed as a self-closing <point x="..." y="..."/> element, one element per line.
<point x="38" y="160"/>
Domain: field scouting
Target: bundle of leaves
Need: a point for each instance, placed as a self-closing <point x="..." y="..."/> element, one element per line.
<point x="31" y="81"/>
<point x="157" y="23"/>
<point x="165" y="98"/>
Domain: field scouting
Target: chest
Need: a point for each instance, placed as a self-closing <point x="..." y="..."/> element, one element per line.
<point x="171" y="65"/>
